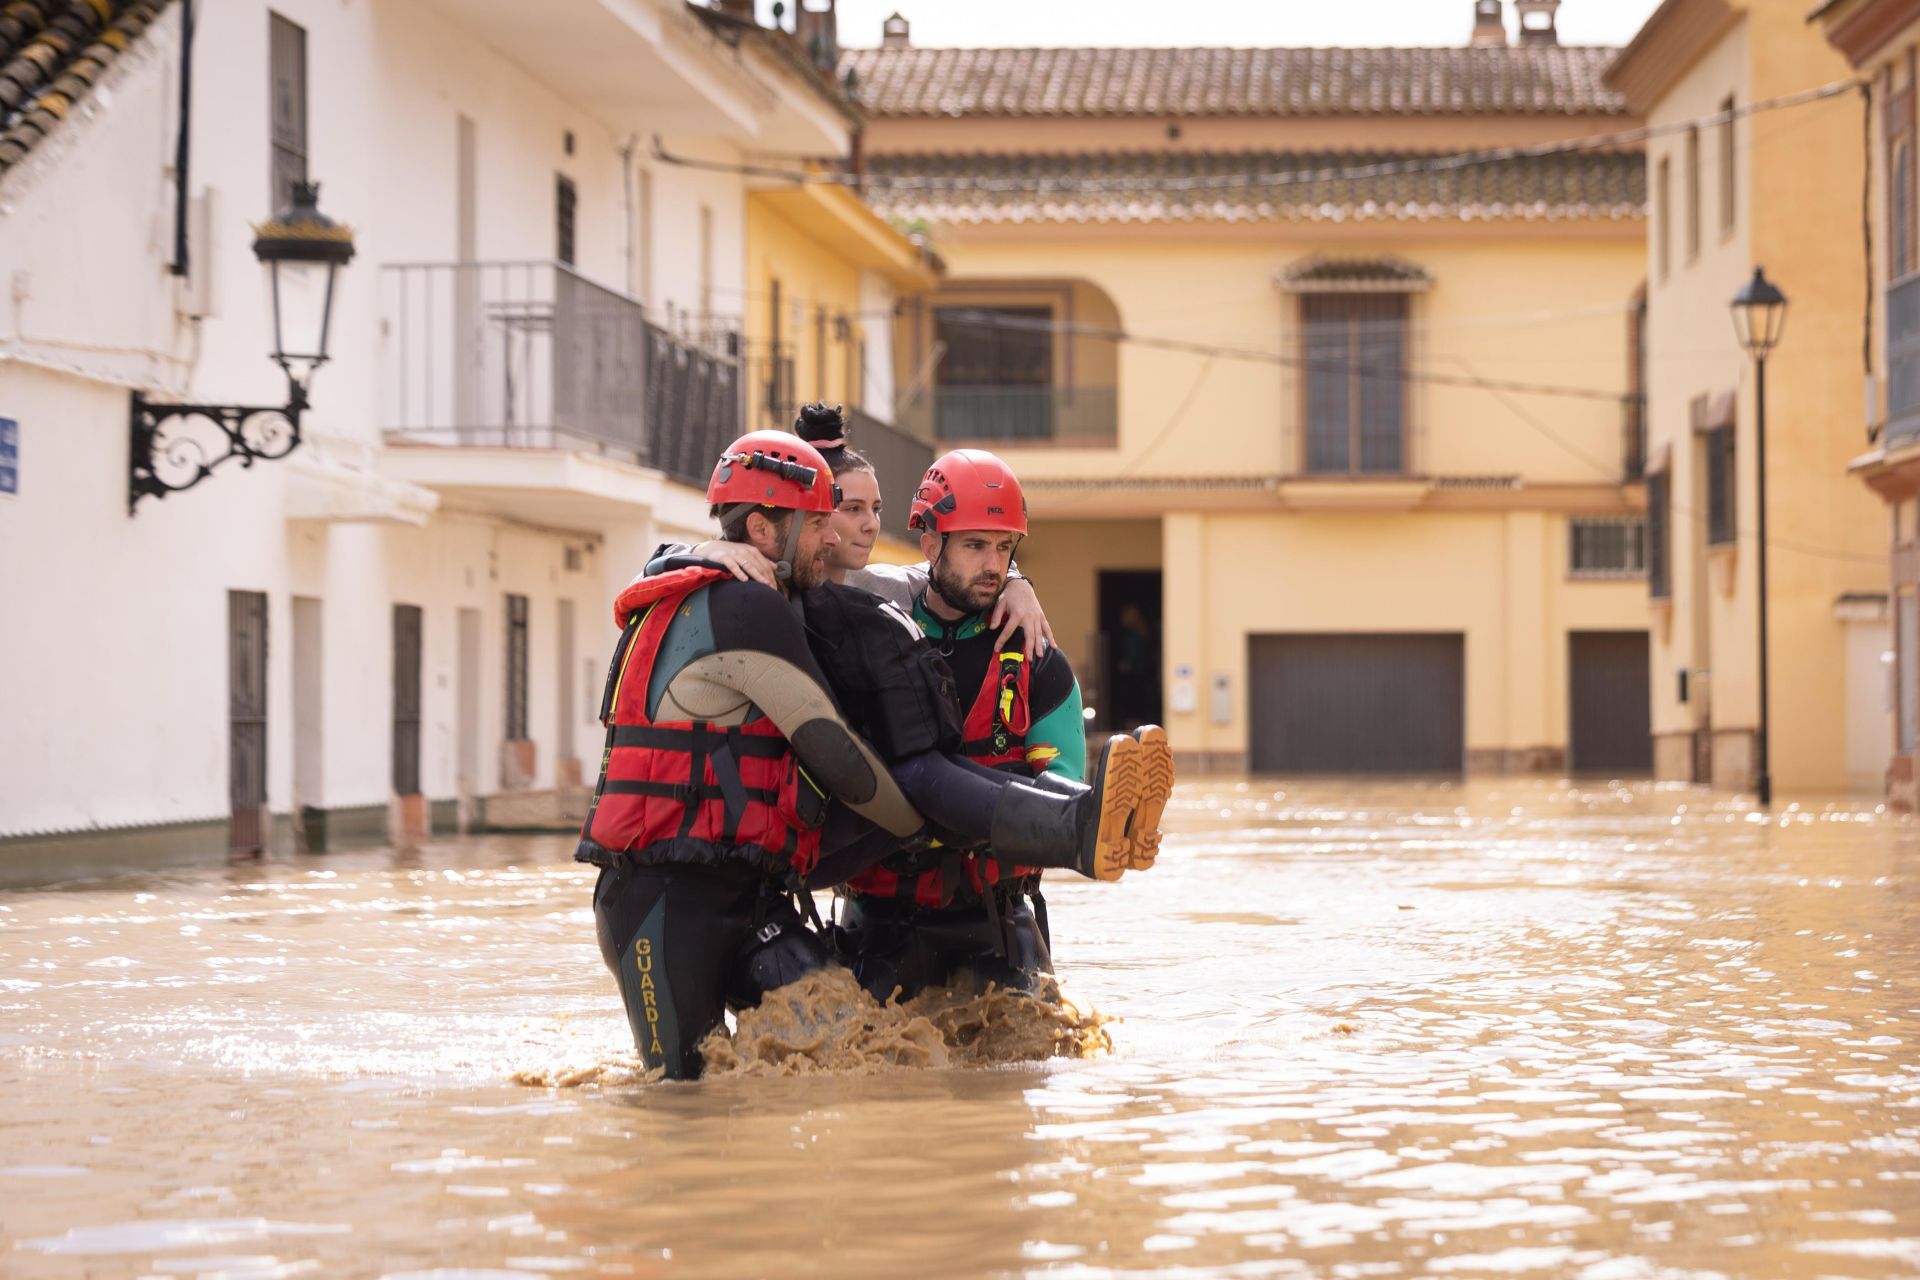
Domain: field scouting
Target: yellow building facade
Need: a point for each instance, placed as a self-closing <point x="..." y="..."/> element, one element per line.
<point x="1880" y="40"/>
<point x="1730" y="191"/>
<point x="1331" y="446"/>
<point x="825" y="275"/>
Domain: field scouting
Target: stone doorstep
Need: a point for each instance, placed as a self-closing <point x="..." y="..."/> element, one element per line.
<point x="561" y="809"/>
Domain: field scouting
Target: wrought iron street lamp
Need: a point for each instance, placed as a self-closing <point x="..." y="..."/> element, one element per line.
<point x="301" y="252"/>
<point x="1760" y="318"/>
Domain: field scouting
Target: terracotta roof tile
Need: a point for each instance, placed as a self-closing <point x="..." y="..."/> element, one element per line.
<point x="1529" y="80"/>
<point x="52" y="53"/>
<point x="1148" y="187"/>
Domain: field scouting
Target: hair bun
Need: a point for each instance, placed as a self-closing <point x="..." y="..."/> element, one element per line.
<point x="822" y="425"/>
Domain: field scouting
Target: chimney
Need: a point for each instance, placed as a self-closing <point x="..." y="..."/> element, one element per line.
<point x="1536" y="21"/>
<point x="818" y="31"/>
<point x="1489" y="25"/>
<point x="893" y="33"/>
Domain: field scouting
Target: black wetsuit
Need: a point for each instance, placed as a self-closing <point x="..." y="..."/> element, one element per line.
<point x="690" y="928"/>
<point x="904" y="947"/>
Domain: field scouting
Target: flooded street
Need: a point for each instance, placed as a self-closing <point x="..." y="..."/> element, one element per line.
<point x="1502" y="1028"/>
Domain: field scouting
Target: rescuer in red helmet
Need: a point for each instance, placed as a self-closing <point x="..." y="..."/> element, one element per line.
<point x="724" y="744"/>
<point x="916" y="919"/>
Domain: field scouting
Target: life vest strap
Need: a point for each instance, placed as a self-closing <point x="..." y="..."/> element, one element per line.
<point x="685" y="790"/>
<point x="657" y="738"/>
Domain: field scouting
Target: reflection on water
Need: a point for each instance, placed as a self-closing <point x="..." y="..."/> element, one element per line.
<point x="1497" y="1029"/>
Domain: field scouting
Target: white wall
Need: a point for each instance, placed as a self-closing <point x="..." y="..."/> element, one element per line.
<point x="114" y="629"/>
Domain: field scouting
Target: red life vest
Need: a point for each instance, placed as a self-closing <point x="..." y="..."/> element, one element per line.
<point x="685" y="790"/>
<point x="995" y="734"/>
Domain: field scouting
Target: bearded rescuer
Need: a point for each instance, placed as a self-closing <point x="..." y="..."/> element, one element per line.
<point x="724" y="744"/>
<point x="922" y="916"/>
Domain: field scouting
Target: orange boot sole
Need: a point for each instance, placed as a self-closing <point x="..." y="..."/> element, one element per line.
<point x="1156" y="785"/>
<point x="1120" y="780"/>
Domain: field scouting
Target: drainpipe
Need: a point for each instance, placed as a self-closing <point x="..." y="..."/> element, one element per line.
<point x="180" y="144"/>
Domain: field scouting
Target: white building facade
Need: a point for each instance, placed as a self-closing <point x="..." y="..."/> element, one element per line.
<point x="402" y="627"/>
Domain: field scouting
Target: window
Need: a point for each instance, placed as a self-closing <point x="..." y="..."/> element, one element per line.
<point x="1354" y="347"/>
<point x="1729" y="190"/>
<point x="1663" y="216"/>
<point x="1693" y="194"/>
<point x="1907" y="667"/>
<point x="779" y="367"/>
<point x="644" y="289"/>
<point x="1720" y="515"/>
<point x="996" y="378"/>
<point x="1634" y="409"/>
<point x="1659" y="518"/>
<point x="516" y="668"/>
<point x="706" y="264"/>
<point x="406" y="699"/>
<point x="1606" y="547"/>
<point x="287" y="87"/>
<point x="1897" y="124"/>
<point x="564" y="200"/>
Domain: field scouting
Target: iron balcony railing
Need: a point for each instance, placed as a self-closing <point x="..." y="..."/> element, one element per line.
<point x="899" y="459"/>
<point x="1063" y="415"/>
<point x="1903" y="360"/>
<point x="534" y="355"/>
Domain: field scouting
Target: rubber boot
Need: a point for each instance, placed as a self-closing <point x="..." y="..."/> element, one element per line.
<point x="1086" y="832"/>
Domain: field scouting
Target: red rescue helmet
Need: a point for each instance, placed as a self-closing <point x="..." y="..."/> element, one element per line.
<point x="968" y="489"/>
<point x="773" y="469"/>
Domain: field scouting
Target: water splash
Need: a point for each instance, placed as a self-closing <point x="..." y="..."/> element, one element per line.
<point x="827" y="1024"/>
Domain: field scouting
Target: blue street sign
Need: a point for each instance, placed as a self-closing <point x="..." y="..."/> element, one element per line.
<point x="9" y="456"/>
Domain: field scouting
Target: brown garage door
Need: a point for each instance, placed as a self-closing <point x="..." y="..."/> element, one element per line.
<point x="1607" y="689"/>
<point x="1357" y="703"/>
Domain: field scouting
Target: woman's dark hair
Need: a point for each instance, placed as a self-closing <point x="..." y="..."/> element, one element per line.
<point x="824" y="426"/>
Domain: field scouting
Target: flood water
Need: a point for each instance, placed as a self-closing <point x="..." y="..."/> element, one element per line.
<point x="1502" y="1028"/>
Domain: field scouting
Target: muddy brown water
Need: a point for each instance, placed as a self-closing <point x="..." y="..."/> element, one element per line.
<point x="1509" y="1029"/>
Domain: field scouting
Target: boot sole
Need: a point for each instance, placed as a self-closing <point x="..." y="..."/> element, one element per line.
<point x="1120" y="784"/>
<point x="1156" y="772"/>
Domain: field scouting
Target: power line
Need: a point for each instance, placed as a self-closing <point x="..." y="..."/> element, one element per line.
<point x="1257" y="356"/>
<point x="1205" y="182"/>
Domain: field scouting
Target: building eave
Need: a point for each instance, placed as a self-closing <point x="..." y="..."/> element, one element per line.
<point x="1678" y="34"/>
<point x="1860" y="29"/>
<point x="841" y="221"/>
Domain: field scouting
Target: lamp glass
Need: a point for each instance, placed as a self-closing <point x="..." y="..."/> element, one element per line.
<point x="301" y="295"/>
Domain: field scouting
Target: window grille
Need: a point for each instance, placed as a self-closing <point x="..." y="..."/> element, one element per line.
<point x="1607" y="547"/>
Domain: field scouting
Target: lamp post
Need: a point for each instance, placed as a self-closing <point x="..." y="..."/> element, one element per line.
<point x="1759" y="318"/>
<point x="301" y="251"/>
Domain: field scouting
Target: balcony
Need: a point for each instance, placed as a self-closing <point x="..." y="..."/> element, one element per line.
<point x="1074" y="416"/>
<point x="899" y="459"/>
<point x="531" y="355"/>
<point x="1903" y="361"/>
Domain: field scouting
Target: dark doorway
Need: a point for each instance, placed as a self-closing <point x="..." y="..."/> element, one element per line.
<point x="1128" y="661"/>
<point x="247" y="721"/>
<point x="1610" y="726"/>
<point x="1357" y="703"/>
<point x="406" y="699"/>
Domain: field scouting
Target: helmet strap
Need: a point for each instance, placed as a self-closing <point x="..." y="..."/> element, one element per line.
<point x="784" y="569"/>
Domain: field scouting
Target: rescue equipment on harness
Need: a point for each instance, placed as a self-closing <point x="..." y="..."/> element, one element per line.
<point x="686" y="790"/>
